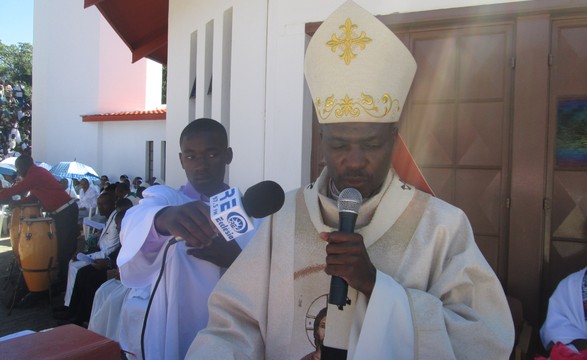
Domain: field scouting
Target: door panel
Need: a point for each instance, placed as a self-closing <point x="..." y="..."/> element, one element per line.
<point x="482" y="68"/>
<point x="479" y="135"/>
<point x="478" y="196"/>
<point x="435" y="78"/>
<point x="432" y="134"/>
<point x="457" y="124"/>
<point x="566" y="238"/>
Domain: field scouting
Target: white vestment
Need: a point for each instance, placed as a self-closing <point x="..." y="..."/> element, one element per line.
<point x="435" y="296"/>
<point x="109" y="241"/>
<point x="105" y="318"/>
<point x="118" y="313"/>
<point x="88" y="198"/>
<point x="179" y="307"/>
<point x="565" y="319"/>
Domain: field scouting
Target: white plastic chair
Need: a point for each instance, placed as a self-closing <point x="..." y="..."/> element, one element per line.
<point x="91" y="212"/>
<point x="3" y="218"/>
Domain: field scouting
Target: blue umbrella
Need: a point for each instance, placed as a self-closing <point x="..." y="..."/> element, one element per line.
<point x="9" y="160"/>
<point x="7" y="166"/>
<point x="74" y="170"/>
<point x="43" y="165"/>
<point x="7" y="169"/>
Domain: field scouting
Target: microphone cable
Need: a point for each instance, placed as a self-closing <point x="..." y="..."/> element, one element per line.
<point x="171" y="242"/>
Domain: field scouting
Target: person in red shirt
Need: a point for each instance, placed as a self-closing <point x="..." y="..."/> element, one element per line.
<point x="44" y="188"/>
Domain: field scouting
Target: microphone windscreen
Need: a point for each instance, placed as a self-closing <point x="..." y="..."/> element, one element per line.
<point x="350" y="200"/>
<point x="263" y="199"/>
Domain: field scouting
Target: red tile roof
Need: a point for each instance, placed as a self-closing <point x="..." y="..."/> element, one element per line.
<point x="159" y="114"/>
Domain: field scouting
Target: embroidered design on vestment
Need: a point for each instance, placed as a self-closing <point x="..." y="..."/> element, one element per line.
<point x="348" y="106"/>
<point x="348" y="41"/>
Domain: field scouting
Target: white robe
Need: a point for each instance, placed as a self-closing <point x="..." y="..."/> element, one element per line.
<point x="435" y="296"/>
<point x="565" y="319"/>
<point x="118" y="313"/>
<point x="179" y="308"/>
<point x="132" y="316"/>
<point x="106" y="308"/>
<point x="108" y="243"/>
<point x="88" y="198"/>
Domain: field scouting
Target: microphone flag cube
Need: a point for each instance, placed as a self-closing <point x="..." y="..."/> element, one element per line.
<point x="228" y="214"/>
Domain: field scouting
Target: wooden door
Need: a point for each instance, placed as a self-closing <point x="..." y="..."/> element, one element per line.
<point x="457" y="125"/>
<point x="566" y="202"/>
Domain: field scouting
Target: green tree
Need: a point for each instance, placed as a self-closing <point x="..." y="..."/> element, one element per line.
<point x="16" y="63"/>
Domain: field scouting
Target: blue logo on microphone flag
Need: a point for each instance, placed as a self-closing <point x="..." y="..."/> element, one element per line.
<point x="238" y="222"/>
<point x="228" y="214"/>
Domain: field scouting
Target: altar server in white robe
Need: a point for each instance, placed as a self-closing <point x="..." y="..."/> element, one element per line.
<point x="419" y="287"/>
<point x="179" y="309"/>
<point x="566" y="319"/>
<point x="108" y="242"/>
<point x="108" y="302"/>
<point x="118" y="314"/>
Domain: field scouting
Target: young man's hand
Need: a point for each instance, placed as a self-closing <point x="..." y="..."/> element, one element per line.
<point x="190" y="222"/>
<point x="220" y="252"/>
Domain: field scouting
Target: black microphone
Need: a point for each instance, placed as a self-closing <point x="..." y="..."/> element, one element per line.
<point x="263" y="199"/>
<point x="232" y="214"/>
<point x="349" y="202"/>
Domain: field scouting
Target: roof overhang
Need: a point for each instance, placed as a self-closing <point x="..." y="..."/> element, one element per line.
<point x="141" y="24"/>
<point x="139" y="115"/>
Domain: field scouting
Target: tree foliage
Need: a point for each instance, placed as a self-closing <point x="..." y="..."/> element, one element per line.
<point x="16" y="62"/>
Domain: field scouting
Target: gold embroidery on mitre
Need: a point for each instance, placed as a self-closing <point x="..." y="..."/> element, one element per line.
<point x="347" y="43"/>
<point x="349" y="107"/>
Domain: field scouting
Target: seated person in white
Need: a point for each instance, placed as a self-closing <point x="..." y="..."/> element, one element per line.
<point x="118" y="311"/>
<point x="88" y="197"/>
<point x="108" y="302"/>
<point x="107" y="243"/>
<point x="118" y="314"/>
<point x="566" y="319"/>
<point x="179" y="308"/>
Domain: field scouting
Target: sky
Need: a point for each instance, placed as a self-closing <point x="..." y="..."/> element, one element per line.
<point x="17" y="21"/>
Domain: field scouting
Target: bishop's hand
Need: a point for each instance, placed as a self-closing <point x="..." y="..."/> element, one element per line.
<point x="346" y="257"/>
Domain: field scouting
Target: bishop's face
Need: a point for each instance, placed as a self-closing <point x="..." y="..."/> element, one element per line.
<point x="358" y="155"/>
<point x="204" y="156"/>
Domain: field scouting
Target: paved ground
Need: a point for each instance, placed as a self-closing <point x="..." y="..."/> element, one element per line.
<point x="36" y="318"/>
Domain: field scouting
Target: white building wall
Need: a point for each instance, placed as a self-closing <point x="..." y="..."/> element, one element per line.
<point x="125" y="147"/>
<point x="64" y="85"/>
<point x="82" y="67"/>
<point x="246" y="124"/>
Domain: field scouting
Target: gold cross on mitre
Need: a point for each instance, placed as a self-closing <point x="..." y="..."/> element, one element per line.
<point x="347" y="42"/>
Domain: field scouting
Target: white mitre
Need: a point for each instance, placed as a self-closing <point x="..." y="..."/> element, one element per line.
<point x="357" y="69"/>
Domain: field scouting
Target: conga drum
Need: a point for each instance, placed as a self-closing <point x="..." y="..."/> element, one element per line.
<point x="18" y="213"/>
<point x="37" y="249"/>
<point x="32" y="210"/>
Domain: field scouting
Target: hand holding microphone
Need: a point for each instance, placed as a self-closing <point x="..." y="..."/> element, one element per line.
<point x="232" y="216"/>
<point x="197" y="223"/>
<point x="189" y="222"/>
<point x="346" y="256"/>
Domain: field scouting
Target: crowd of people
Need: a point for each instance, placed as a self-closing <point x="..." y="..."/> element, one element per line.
<point x="163" y="282"/>
<point x="15" y="119"/>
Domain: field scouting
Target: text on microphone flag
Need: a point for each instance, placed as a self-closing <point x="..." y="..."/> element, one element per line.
<point x="228" y="214"/>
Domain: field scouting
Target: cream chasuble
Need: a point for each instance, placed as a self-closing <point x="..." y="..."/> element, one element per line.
<point x="435" y="296"/>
